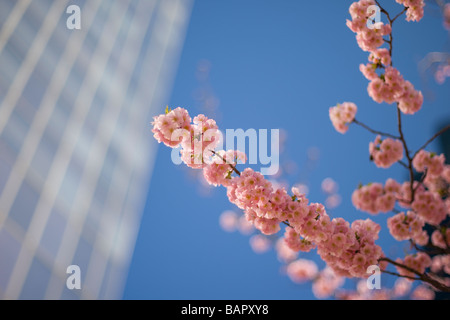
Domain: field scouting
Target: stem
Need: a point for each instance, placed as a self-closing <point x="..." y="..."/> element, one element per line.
<point x="431" y="139"/>
<point x="374" y="131"/>
<point x="422" y="276"/>
<point x="405" y="146"/>
<point x="399" y="275"/>
<point x="398" y="15"/>
<point x="231" y="166"/>
<point x="403" y="164"/>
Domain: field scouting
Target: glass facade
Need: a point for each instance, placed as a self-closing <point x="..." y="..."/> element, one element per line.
<point x="75" y="151"/>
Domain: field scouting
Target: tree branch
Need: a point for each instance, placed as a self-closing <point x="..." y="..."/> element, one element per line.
<point x="422" y="276"/>
<point x="374" y="131"/>
<point x="431" y="139"/>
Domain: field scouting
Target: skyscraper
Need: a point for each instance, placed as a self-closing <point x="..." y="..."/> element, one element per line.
<point x="75" y="150"/>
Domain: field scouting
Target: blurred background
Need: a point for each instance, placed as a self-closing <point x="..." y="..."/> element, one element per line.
<point x="83" y="182"/>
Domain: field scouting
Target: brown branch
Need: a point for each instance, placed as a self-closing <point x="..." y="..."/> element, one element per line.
<point x="422" y="276"/>
<point x="405" y="146"/>
<point x="231" y="166"/>
<point x="374" y="131"/>
<point x="431" y="139"/>
<point x="398" y="15"/>
<point x="399" y="275"/>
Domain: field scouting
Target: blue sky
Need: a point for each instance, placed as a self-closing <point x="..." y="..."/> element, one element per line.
<point x="274" y="65"/>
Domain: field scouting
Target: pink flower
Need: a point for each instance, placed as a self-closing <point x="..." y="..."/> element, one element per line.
<point x="433" y="163"/>
<point x="447" y="16"/>
<point x="415" y="9"/>
<point x="423" y="292"/>
<point x="385" y="152"/>
<point x="219" y="171"/>
<point x="259" y="243"/>
<point x="430" y="207"/>
<point x="402" y="287"/>
<point x="302" y="270"/>
<point x="380" y="56"/>
<point x="165" y="127"/>
<point x="203" y="138"/>
<point x="418" y="262"/>
<point x="326" y="283"/>
<point x="411" y="100"/>
<point x="228" y="220"/>
<point x="374" y="198"/>
<point x="342" y="115"/>
<point x="438" y="240"/>
<point x="284" y="253"/>
<point x="368" y="39"/>
<point x="409" y="226"/>
<point x="267" y="226"/>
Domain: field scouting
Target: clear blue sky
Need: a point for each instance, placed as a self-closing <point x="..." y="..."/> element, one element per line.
<point x="274" y="65"/>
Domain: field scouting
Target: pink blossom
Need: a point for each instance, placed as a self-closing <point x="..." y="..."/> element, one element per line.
<point x="446" y="173"/>
<point x="411" y="100"/>
<point x="402" y="287"/>
<point x="367" y="39"/>
<point x="438" y="240"/>
<point x="374" y="198"/>
<point x="302" y="270"/>
<point x="433" y="163"/>
<point x="408" y="226"/>
<point x="165" y="125"/>
<point x="219" y="171"/>
<point x="430" y="207"/>
<point x="197" y="149"/>
<point x="380" y="56"/>
<point x="284" y="253"/>
<point x="447" y="16"/>
<point x="342" y="115"/>
<point x="418" y="262"/>
<point x="326" y="283"/>
<point x="415" y="9"/>
<point x="228" y="220"/>
<point x="423" y="292"/>
<point x="259" y="243"/>
<point x="385" y="152"/>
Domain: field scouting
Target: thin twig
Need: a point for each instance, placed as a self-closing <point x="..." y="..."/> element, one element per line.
<point x="405" y="146"/>
<point x="399" y="275"/>
<point x="422" y="276"/>
<point x="398" y="15"/>
<point x="232" y="166"/>
<point x="431" y="139"/>
<point x="374" y="131"/>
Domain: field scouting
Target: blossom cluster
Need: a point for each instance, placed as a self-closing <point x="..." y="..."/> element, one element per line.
<point x="368" y="38"/>
<point x="408" y="226"/>
<point x="385" y="153"/>
<point x="375" y="198"/>
<point x="419" y="262"/>
<point x="197" y="139"/>
<point x="389" y="86"/>
<point x="434" y="164"/>
<point x="342" y="115"/>
<point x="415" y="9"/>
<point x="348" y="249"/>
